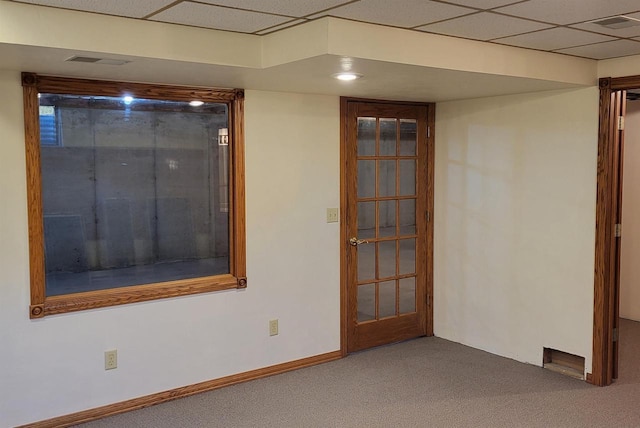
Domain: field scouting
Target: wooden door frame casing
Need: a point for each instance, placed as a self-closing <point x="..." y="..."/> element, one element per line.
<point x="344" y="220"/>
<point x="607" y="199"/>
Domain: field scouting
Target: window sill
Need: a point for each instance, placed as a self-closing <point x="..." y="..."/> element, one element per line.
<point x="138" y="293"/>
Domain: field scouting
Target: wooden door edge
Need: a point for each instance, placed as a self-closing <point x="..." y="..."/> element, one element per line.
<point x="343" y="225"/>
<point x="431" y="161"/>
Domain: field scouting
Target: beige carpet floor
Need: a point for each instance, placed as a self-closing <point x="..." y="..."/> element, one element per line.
<point x="427" y="382"/>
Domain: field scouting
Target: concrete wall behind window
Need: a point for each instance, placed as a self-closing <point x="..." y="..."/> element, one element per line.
<point x="138" y="182"/>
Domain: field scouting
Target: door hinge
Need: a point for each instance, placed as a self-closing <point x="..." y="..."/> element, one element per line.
<point x="618" y="231"/>
<point x="428" y="216"/>
<point x="615" y="334"/>
<point x="620" y="123"/>
<point x="428" y="132"/>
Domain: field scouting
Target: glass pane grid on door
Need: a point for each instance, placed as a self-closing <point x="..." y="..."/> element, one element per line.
<point x="386" y="203"/>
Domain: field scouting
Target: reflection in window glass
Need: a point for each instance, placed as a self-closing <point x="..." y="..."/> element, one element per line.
<point x="388" y="137"/>
<point x="366" y="136"/>
<point x="48" y="128"/>
<point x="134" y="193"/>
<point x="408" y="136"/>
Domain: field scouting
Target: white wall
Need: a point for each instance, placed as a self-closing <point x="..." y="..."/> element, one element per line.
<point x="514" y="242"/>
<point x="54" y="366"/>
<point x="515" y="222"/>
<point x="629" y="267"/>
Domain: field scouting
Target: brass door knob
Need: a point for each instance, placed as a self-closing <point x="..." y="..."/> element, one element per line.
<point x="355" y="241"/>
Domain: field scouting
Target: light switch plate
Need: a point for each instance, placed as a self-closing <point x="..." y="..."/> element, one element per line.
<point x="332" y="215"/>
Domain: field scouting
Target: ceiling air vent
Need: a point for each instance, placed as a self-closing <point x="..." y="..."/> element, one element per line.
<point x="617" y="22"/>
<point x="91" y="60"/>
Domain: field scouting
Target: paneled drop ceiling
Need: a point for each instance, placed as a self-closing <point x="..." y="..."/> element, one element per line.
<point x="562" y="26"/>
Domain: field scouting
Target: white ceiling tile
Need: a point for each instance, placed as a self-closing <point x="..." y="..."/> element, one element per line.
<point x="281" y="27"/>
<point x="483" y="4"/>
<point x="570" y="11"/>
<point x="483" y="26"/>
<point x="398" y="13"/>
<point x="296" y="8"/>
<point x="221" y="18"/>
<point x="555" y="38"/>
<point x="620" y="32"/>
<point x="132" y="9"/>
<point x="606" y="50"/>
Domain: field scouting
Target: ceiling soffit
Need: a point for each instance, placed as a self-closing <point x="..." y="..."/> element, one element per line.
<point x="251" y="61"/>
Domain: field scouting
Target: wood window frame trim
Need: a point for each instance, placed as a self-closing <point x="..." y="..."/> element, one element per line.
<point x="41" y="305"/>
<point x="605" y="293"/>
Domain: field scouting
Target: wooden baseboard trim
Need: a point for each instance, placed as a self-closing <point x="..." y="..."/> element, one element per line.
<point x="185" y="391"/>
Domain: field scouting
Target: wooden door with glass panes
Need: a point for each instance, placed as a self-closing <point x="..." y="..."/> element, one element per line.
<point x="388" y="200"/>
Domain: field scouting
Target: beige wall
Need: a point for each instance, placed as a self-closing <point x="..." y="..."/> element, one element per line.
<point x="619" y="67"/>
<point x="629" y="266"/>
<point x="514" y="231"/>
<point x="54" y="366"/>
<point x="515" y="222"/>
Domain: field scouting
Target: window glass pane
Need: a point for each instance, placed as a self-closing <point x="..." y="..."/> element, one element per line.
<point x="407" y="177"/>
<point x="366" y="220"/>
<point x="133" y="193"/>
<point x="366" y="136"/>
<point x="387" y="218"/>
<point x="407" y="217"/>
<point x="407" y="295"/>
<point x="366" y="262"/>
<point x="408" y="137"/>
<point x="407" y="256"/>
<point x="366" y="178"/>
<point x="386" y="178"/>
<point x="366" y="302"/>
<point x="388" y="131"/>
<point x="387" y="299"/>
<point x="386" y="259"/>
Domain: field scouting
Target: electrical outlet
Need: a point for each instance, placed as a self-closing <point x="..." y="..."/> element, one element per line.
<point x="332" y="215"/>
<point x="273" y="327"/>
<point x="111" y="359"/>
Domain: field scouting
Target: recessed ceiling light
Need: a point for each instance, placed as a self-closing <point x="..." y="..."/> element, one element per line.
<point x="347" y="76"/>
<point x="196" y="103"/>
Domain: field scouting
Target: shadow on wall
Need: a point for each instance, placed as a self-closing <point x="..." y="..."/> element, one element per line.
<point x="480" y="214"/>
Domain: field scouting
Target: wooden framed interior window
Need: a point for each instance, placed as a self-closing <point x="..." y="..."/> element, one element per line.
<point x="135" y="192"/>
